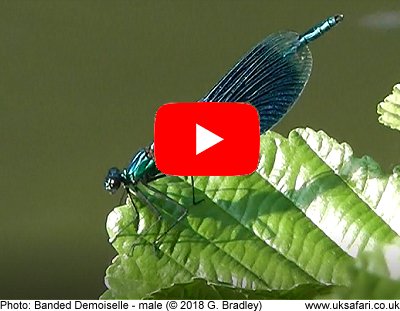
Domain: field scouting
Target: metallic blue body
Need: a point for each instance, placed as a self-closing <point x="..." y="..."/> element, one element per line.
<point x="141" y="167"/>
<point x="271" y="77"/>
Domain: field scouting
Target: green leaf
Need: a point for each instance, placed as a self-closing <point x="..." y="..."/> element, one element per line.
<point x="389" y="109"/>
<point x="375" y="275"/>
<point x="298" y="221"/>
<point x="200" y="288"/>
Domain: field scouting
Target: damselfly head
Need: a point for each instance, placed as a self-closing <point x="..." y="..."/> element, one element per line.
<point x="113" y="180"/>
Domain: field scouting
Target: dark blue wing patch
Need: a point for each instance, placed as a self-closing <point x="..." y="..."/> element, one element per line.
<point x="271" y="77"/>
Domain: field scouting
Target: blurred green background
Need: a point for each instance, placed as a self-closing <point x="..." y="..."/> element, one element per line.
<point x="80" y="82"/>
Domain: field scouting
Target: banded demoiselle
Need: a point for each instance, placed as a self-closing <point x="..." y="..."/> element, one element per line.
<point x="271" y="76"/>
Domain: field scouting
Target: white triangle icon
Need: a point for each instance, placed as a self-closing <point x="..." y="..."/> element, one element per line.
<point x="205" y="139"/>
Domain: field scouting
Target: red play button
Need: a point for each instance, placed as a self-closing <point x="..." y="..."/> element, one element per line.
<point x="207" y="139"/>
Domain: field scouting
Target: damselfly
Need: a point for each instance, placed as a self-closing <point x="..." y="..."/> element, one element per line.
<point x="271" y="77"/>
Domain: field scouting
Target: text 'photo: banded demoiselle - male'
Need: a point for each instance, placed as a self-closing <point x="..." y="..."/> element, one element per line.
<point x="271" y="77"/>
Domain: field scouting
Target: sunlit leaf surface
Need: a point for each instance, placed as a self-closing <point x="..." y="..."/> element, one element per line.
<point x="296" y="223"/>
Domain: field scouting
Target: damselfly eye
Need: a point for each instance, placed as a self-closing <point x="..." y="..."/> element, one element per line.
<point x="112" y="181"/>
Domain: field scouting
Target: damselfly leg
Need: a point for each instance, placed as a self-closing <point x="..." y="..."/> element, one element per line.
<point x="160" y="212"/>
